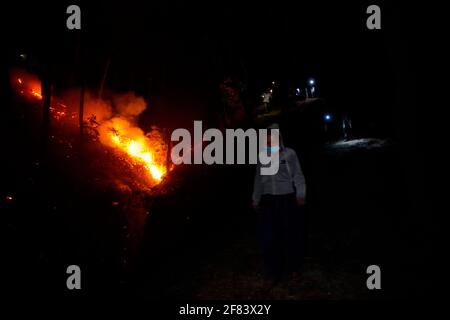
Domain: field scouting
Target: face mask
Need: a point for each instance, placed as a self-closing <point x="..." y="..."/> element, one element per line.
<point x="273" y="149"/>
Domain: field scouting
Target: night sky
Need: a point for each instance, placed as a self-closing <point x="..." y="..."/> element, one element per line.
<point x="178" y="51"/>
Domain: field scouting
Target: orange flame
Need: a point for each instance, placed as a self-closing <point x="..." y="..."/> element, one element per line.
<point x="138" y="147"/>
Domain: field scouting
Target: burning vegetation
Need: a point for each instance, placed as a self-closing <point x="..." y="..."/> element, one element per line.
<point x="150" y="153"/>
<point x="112" y="122"/>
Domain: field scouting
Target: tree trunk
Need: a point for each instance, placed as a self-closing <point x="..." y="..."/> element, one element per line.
<point x="46" y="89"/>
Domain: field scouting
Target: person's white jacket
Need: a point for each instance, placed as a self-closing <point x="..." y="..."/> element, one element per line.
<point x="288" y="179"/>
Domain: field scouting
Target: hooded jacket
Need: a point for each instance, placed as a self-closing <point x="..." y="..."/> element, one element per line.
<point x="288" y="179"/>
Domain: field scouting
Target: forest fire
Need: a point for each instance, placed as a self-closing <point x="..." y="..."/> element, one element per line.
<point x="112" y="122"/>
<point x="139" y="150"/>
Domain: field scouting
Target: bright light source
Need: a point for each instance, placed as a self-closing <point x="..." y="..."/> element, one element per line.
<point x="298" y="90"/>
<point x="311" y="81"/>
<point x="328" y="117"/>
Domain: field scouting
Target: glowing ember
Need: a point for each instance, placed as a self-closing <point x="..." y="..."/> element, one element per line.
<point x="32" y="87"/>
<point x="36" y="94"/>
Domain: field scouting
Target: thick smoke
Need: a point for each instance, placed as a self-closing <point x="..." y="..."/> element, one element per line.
<point x="126" y="108"/>
<point x="101" y="110"/>
<point x="129" y="105"/>
<point x="123" y="105"/>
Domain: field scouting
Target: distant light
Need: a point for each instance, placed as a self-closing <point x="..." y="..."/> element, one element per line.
<point x="271" y="91"/>
<point x="298" y="90"/>
<point x="9" y="198"/>
<point x="273" y="82"/>
<point x="328" y="117"/>
<point x="23" y="56"/>
<point x="312" y="81"/>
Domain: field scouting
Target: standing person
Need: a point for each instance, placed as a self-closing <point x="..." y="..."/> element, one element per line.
<point x="346" y="126"/>
<point x="280" y="199"/>
<point x="267" y="96"/>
